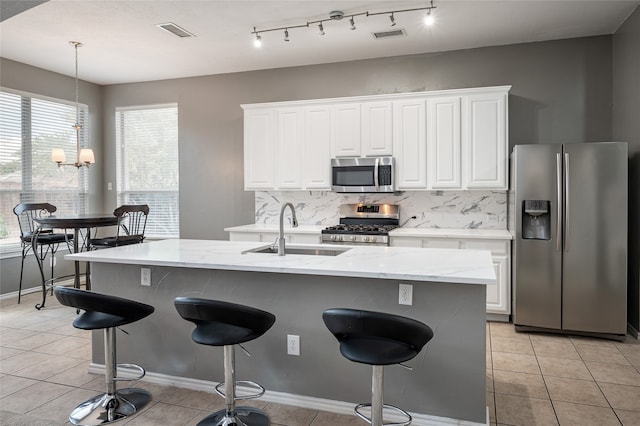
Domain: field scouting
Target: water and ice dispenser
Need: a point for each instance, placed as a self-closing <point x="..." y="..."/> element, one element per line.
<point x="536" y="220"/>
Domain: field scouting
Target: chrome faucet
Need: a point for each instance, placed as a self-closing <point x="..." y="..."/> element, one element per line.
<point x="294" y="223"/>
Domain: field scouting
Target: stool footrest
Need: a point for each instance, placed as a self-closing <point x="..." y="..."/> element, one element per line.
<point x="255" y="385"/>
<point x="141" y="370"/>
<point x="388" y="407"/>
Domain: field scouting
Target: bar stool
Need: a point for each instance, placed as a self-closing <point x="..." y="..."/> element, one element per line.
<point x="377" y="339"/>
<point x="227" y="324"/>
<point x="107" y="312"/>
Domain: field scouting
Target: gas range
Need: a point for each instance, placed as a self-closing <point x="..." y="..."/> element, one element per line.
<point x="363" y="224"/>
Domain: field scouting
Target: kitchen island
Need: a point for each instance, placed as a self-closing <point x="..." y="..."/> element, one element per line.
<point x="448" y="380"/>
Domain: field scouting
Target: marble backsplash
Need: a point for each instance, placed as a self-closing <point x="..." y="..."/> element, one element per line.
<point x="432" y="209"/>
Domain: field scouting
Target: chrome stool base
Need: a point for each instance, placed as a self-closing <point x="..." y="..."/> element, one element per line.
<point x="108" y="408"/>
<point x="245" y="416"/>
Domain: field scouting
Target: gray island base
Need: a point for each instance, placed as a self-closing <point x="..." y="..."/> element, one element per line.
<point x="447" y="383"/>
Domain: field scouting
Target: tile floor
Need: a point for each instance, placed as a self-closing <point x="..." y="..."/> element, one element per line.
<point x="532" y="379"/>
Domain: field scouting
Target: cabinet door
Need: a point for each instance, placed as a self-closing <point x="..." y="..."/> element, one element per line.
<point x="259" y="149"/>
<point x="317" y="148"/>
<point x="377" y="136"/>
<point x="443" y="143"/>
<point x="345" y="138"/>
<point x="485" y="141"/>
<point x="410" y="144"/>
<point x="290" y="137"/>
<point x="499" y="295"/>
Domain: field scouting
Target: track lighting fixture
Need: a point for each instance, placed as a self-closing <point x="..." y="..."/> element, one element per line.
<point x="429" y="19"/>
<point x="258" y="41"/>
<point x="337" y="15"/>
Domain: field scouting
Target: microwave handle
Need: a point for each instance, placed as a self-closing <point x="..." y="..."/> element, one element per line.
<point x="376" y="174"/>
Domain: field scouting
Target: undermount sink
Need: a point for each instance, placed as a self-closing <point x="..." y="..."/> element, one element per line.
<point x="310" y="251"/>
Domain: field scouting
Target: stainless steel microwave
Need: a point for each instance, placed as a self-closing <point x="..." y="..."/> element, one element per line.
<point x="363" y="174"/>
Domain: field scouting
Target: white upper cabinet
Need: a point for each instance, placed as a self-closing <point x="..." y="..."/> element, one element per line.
<point x="410" y="144"/>
<point x="484" y="125"/>
<point x="377" y="136"/>
<point x="444" y="143"/>
<point x="290" y="137"/>
<point x="316" y="167"/>
<point x="345" y="140"/>
<point x="441" y="140"/>
<point x="259" y="149"/>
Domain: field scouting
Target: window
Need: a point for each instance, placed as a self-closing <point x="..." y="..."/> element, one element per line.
<point x="30" y="126"/>
<point x="147" y="164"/>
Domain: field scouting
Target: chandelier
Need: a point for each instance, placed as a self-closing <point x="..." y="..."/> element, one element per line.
<point x="84" y="156"/>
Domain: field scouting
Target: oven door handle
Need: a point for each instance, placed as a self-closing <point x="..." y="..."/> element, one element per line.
<point x="376" y="174"/>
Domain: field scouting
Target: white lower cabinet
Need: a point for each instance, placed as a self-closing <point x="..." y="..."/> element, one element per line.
<point x="499" y="295"/>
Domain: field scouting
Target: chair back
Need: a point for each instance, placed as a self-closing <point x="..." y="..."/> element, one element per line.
<point x="132" y="221"/>
<point x="26" y="212"/>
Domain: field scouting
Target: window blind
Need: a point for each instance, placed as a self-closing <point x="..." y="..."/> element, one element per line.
<point x="29" y="128"/>
<point x="147" y="164"/>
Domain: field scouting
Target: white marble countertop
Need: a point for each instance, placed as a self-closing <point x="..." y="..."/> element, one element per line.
<point x="492" y="234"/>
<point x="403" y="263"/>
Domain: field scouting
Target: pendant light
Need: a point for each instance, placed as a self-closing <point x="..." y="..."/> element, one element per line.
<point x="84" y="156"/>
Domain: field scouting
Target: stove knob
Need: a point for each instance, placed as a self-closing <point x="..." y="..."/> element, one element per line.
<point x="373" y="239"/>
<point x="366" y="239"/>
<point x="353" y="238"/>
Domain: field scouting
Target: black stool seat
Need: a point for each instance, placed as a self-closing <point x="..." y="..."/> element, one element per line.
<point x="106" y="312"/>
<point x="227" y="324"/>
<point x="221" y="323"/>
<point x="101" y="310"/>
<point x="377" y="339"/>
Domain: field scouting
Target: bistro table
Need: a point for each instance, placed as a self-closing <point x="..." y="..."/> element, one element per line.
<point x="77" y="223"/>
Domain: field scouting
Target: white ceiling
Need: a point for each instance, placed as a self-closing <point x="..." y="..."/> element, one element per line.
<point x="122" y="43"/>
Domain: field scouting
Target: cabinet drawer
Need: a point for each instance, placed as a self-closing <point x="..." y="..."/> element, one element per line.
<point x="497" y="247"/>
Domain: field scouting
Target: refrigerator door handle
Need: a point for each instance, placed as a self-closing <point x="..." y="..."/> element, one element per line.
<point x="558" y="202"/>
<point x="566" y="201"/>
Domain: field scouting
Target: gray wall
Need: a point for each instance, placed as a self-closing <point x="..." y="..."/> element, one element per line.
<point x="34" y="80"/>
<point x="626" y="127"/>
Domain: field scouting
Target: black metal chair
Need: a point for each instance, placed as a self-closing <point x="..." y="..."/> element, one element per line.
<point x="227" y="324"/>
<point x="377" y="339"/>
<point x="46" y="240"/>
<point x="107" y="312"/>
<point x="132" y="221"/>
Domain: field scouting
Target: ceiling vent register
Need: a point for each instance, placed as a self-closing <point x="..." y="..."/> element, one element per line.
<point x="389" y="34"/>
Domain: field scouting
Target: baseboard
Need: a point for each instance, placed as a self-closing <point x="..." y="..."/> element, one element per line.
<point x="632" y="331"/>
<point x="37" y="289"/>
<point x="338" y="407"/>
<point x="499" y="317"/>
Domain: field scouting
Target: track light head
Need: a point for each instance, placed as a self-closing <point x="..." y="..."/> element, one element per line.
<point x="321" y="28"/>
<point x="353" y="24"/>
<point x="393" y="20"/>
<point x="258" y="41"/>
<point x="286" y="35"/>
<point x="429" y="19"/>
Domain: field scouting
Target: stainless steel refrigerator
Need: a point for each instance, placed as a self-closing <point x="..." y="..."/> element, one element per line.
<point x="568" y="214"/>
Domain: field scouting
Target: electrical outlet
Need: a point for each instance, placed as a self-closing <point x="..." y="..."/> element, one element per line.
<point x="109" y="186"/>
<point x="145" y="276"/>
<point x="293" y="344"/>
<point x="405" y="295"/>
